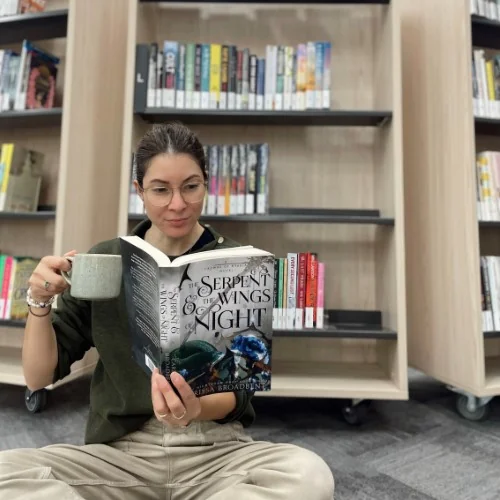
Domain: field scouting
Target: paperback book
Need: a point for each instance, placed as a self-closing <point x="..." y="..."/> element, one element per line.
<point x="207" y="316"/>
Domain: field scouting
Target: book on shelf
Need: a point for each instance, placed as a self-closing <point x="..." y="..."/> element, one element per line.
<point x="187" y="75"/>
<point x="13" y="7"/>
<point x="14" y="274"/>
<point x="238" y="180"/>
<point x="299" y="294"/>
<point x="488" y="185"/>
<point x="20" y="178"/>
<point x="27" y="78"/>
<point x="490" y="9"/>
<point x="490" y="292"/>
<point x="207" y="316"/>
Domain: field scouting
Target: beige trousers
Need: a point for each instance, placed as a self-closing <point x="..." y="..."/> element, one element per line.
<point x="205" y="461"/>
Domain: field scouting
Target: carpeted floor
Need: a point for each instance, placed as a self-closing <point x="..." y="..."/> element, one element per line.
<point x="415" y="450"/>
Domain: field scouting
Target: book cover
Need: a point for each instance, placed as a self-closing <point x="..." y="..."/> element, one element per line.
<point x="207" y="316"/>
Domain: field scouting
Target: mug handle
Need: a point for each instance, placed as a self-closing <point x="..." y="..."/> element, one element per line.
<point x="65" y="274"/>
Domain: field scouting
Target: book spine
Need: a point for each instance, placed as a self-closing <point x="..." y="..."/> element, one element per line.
<point x="180" y="76"/>
<point x="141" y="77"/>
<point x="311" y="290"/>
<point x="252" y="96"/>
<point x="224" y="82"/>
<point x="7" y="275"/>
<point x="275" y="294"/>
<point x="190" y="68"/>
<point x="234" y="150"/>
<point x="205" y="76"/>
<point x="327" y="56"/>
<point x="320" y="309"/>
<point x="239" y="79"/>
<point x="311" y="76"/>
<point x="263" y="179"/>
<point x="160" y="82"/>
<point x="251" y="181"/>
<point x="270" y="83"/>
<point x="318" y="76"/>
<point x="291" y="289"/>
<point x="284" y="309"/>
<point x="213" y="180"/>
<point x="242" y="178"/>
<point x="287" y="91"/>
<point x="232" y="77"/>
<point x="280" y="294"/>
<point x="261" y="77"/>
<point x="153" y="58"/>
<point x="215" y="74"/>
<point x="301" y="290"/>
<point x="170" y="53"/>
<point x="245" y="91"/>
<point x="197" y="77"/>
<point x="280" y="78"/>
<point x="301" y="77"/>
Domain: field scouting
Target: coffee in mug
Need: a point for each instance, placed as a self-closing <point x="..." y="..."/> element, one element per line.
<point x="94" y="276"/>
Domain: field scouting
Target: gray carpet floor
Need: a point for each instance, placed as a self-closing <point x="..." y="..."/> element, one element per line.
<point x="417" y="450"/>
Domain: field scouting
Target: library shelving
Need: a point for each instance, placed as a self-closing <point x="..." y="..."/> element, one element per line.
<point x="82" y="152"/>
<point x="444" y="239"/>
<point x="343" y="165"/>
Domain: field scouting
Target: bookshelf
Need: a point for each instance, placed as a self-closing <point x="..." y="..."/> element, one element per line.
<point x="444" y="240"/>
<point x="74" y="213"/>
<point x="342" y="165"/>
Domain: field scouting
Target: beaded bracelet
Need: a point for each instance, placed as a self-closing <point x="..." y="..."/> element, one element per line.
<point x="35" y="303"/>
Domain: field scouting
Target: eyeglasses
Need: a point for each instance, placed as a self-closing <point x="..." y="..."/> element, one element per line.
<point x="161" y="196"/>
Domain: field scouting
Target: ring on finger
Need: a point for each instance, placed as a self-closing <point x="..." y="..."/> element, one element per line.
<point x="181" y="417"/>
<point x="46" y="285"/>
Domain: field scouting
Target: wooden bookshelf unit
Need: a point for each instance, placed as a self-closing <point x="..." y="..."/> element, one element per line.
<point x="343" y="164"/>
<point x="82" y="151"/>
<point x="444" y="240"/>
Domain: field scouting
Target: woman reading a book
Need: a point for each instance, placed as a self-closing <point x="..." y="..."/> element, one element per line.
<point x="147" y="437"/>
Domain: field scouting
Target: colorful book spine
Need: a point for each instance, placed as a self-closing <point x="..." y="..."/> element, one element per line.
<point x="215" y="74"/>
<point x="180" y="77"/>
<point x="190" y="68"/>
<point x="291" y="290"/>
<point x="170" y="53"/>
<point x="224" y="82"/>
<point x="197" y="76"/>
<point x="320" y="306"/>
<point x="205" y="76"/>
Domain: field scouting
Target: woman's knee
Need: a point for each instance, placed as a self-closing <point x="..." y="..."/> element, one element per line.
<point x="314" y="475"/>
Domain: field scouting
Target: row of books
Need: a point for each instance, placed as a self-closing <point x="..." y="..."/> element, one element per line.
<point x="15" y="272"/>
<point x="486" y="84"/>
<point x="488" y="185"/>
<point x="238" y="180"/>
<point x="13" y="7"/>
<point x="20" y="178"/>
<point x="299" y="292"/>
<point x="27" y="78"/>
<point x="490" y="292"/>
<point x="222" y="76"/>
<point x="486" y="8"/>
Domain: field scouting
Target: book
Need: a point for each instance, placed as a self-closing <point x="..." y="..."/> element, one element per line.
<point x="207" y="315"/>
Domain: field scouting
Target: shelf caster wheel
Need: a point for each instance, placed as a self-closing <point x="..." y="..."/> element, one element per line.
<point x="356" y="413"/>
<point x="35" y="401"/>
<point x="468" y="408"/>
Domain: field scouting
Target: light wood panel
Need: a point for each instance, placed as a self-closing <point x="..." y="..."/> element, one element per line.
<point x="322" y="167"/>
<point x="91" y="128"/>
<point x="443" y="283"/>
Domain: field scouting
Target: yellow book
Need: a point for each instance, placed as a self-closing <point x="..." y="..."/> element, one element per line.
<point x="24" y="267"/>
<point x="7" y="151"/>
<point x="215" y="74"/>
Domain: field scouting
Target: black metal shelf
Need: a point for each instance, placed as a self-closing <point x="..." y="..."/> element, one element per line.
<point x="492" y="335"/>
<point x="347" y="323"/>
<point x="280" y="2"/>
<point x="31" y="118"/>
<point x="36" y="26"/>
<point x="323" y="118"/>
<point x="299" y="215"/>
<point x="489" y="223"/>
<point x="38" y="215"/>
<point x="12" y="323"/>
<point x="485" y="32"/>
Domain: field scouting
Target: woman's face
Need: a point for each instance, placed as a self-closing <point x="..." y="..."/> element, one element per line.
<point x="181" y="176"/>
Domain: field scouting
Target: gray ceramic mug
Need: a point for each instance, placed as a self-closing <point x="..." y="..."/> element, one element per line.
<point x="94" y="276"/>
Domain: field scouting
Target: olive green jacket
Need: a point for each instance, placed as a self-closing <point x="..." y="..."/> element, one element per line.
<point x="120" y="394"/>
